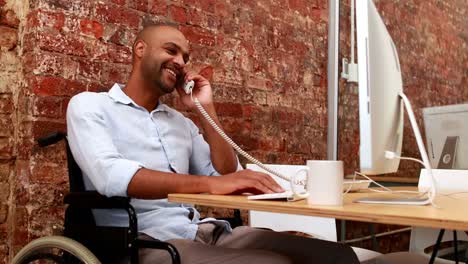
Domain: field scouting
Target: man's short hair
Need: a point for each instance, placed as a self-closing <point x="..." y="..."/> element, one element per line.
<point x="149" y="26"/>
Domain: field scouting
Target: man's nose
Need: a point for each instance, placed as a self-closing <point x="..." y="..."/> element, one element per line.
<point x="179" y="60"/>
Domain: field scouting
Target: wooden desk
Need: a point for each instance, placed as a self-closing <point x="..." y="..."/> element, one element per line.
<point x="452" y="214"/>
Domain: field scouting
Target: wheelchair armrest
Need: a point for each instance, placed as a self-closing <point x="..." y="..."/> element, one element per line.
<point x="51" y="139"/>
<point x="94" y="200"/>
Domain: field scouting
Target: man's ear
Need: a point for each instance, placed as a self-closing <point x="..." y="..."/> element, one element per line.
<point x="139" y="48"/>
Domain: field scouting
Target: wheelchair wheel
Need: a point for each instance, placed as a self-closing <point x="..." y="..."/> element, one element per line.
<point x="57" y="249"/>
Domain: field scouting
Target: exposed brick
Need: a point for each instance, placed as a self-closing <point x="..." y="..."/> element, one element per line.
<point x="158" y="7"/>
<point x="8" y="37"/>
<point x="92" y="28"/>
<point x="71" y="7"/>
<point x="4" y="192"/>
<point x="229" y="109"/>
<point x="6" y="104"/>
<point x="20" y="231"/>
<point x="178" y="13"/>
<point x="65" y="44"/>
<point x="56" y="86"/>
<point x="123" y="36"/>
<point x="48" y="194"/>
<point x="9" y="18"/>
<point x="43" y="128"/>
<point x="118" y="15"/>
<point x="119" y="54"/>
<point x="6" y="148"/>
<point x="198" y="36"/>
<point x="140" y="5"/>
<point x="6" y="126"/>
<point x="47" y="106"/>
<point x="3" y="216"/>
<point x="5" y="170"/>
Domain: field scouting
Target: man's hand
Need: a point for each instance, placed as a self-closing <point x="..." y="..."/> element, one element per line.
<point x="243" y="181"/>
<point x="202" y="90"/>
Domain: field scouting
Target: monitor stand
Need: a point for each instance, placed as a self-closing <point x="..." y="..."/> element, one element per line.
<point x="415" y="200"/>
<point x="448" y="155"/>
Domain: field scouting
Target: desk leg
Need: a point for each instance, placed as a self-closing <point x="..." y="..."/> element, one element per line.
<point x="455" y="246"/>
<point x="436" y="246"/>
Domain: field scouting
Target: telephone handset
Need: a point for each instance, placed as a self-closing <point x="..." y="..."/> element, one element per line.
<point x="188" y="87"/>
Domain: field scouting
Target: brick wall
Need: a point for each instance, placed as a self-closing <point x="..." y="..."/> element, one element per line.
<point x="266" y="61"/>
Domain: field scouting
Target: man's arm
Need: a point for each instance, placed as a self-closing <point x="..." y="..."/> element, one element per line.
<point x="150" y="184"/>
<point x="222" y="154"/>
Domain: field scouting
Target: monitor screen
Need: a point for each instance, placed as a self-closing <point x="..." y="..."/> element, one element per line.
<point x="380" y="83"/>
<point x="447" y="136"/>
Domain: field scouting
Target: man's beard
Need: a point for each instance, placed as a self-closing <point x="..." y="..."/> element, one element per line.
<point x="163" y="87"/>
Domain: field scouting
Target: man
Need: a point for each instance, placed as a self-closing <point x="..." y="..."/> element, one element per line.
<point x="127" y="143"/>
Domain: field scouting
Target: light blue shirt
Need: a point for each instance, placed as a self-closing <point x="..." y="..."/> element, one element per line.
<point x="111" y="138"/>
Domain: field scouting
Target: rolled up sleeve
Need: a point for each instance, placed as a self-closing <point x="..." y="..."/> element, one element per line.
<point x="93" y="149"/>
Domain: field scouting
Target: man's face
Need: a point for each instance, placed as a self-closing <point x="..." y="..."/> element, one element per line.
<point x="164" y="59"/>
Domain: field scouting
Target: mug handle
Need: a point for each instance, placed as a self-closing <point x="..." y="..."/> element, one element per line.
<point x="299" y="195"/>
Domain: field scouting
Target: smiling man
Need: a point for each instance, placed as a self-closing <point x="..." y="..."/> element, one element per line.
<point x="128" y="143"/>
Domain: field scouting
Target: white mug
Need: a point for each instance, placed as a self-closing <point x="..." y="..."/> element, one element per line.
<point x="324" y="182"/>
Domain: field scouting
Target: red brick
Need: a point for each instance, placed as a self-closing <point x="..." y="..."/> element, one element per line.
<point x="158" y="7"/>
<point x="118" y="15"/>
<point x="140" y="5"/>
<point x="5" y="171"/>
<point x="56" y="86"/>
<point x="119" y="2"/>
<point x="71" y="7"/>
<point x="48" y="194"/>
<point x="206" y="5"/>
<point x="90" y="69"/>
<point x="9" y="18"/>
<point x="237" y="126"/>
<point x="228" y="109"/>
<point x="65" y="44"/>
<point x="54" y="20"/>
<point x="92" y="28"/>
<point x="198" y="36"/>
<point x="6" y="104"/>
<point x="6" y="126"/>
<point x="47" y="106"/>
<point x="6" y="148"/>
<point x="4" y="253"/>
<point x="116" y="73"/>
<point x="46" y="63"/>
<point x="123" y="36"/>
<point x="3" y="215"/>
<point x="49" y="173"/>
<point x="178" y="13"/>
<point x="20" y="234"/>
<point x="8" y="37"/>
<point x="119" y="54"/>
<point x="43" y="128"/>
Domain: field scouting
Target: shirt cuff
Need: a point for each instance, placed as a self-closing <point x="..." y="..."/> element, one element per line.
<point x="120" y="176"/>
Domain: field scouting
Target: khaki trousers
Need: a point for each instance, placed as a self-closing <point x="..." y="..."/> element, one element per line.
<point x="213" y="245"/>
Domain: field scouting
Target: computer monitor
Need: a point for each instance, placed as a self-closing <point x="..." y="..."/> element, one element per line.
<point x="380" y="83"/>
<point x="447" y="136"/>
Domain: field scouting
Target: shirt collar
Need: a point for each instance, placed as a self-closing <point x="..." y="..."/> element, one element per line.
<point x="117" y="94"/>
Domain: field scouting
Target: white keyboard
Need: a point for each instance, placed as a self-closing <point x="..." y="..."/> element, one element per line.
<point x="283" y="195"/>
<point x="289" y="195"/>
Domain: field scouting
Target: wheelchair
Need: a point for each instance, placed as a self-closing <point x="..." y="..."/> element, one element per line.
<point x="85" y="242"/>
